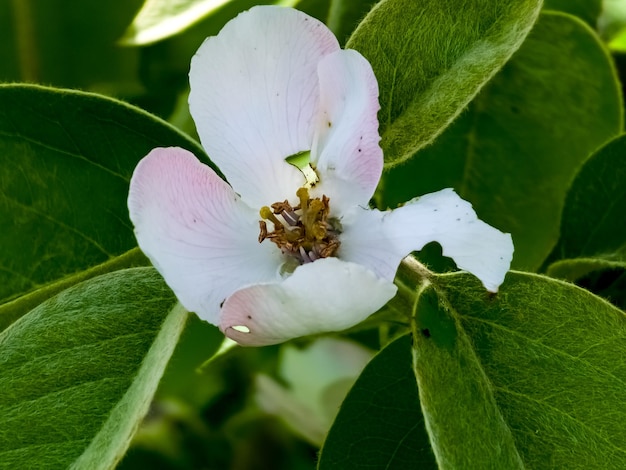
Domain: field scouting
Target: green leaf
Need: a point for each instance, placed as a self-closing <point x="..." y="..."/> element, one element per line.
<point x="574" y="269"/>
<point x="432" y="57"/>
<point x="618" y="43"/>
<point x="514" y="153"/>
<point x="14" y="309"/>
<point x="592" y="220"/>
<point x="66" y="159"/>
<point x="380" y="424"/>
<point x="612" y="24"/>
<point x="159" y="19"/>
<point x="532" y="377"/>
<point x="586" y="10"/>
<point x="78" y="373"/>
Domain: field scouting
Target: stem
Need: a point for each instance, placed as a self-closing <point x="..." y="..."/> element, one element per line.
<point x="25" y="40"/>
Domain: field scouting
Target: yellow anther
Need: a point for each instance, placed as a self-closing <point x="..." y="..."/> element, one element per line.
<point x="303" y="195"/>
<point x="267" y="214"/>
<point x="306" y="234"/>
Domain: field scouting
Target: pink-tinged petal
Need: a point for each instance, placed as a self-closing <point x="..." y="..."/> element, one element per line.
<point x="255" y="98"/>
<point x="379" y="240"/>
<point x="350" y="159"/>
<point x="196" y="231"/>
<point x="326" y="295"/>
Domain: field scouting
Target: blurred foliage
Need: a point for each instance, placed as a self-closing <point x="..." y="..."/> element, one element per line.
<point x="203" y="416"/>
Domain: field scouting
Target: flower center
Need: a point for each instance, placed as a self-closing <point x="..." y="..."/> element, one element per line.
<point x="305" y="232"/>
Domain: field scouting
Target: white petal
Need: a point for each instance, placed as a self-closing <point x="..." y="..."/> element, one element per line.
<point x="350" y="158"/>
<point x="255" y="97"/>
<point x="380" y="240"/>
<point x="196" y="231"/>
<point x="326" y="295"/>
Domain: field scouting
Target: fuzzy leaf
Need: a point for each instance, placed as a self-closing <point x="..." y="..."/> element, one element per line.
<point x="432" y="57"/>
<point x="514" y="153"/>
<point x="532" y="377"/>
<point x="14" y="309"/>
<point x="66" y="158"/>
<point x="380" y="424"/>
<point x="78" y="373"/>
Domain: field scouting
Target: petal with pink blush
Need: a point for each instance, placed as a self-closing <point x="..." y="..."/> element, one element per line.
<point x="346" y="148"/>
<point x="379" y="240"/>
<point x="255" y="98"/>
<point x="196" y="231"/>
<point x="326" y="295"/>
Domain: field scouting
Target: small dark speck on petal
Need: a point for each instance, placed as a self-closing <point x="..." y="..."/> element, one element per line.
<point x="458" y="220"/>
<point x="222" y="303"/>
<point x="249" y="317"/>
<point x="359" y="150"/>
<point x="329" y="124"/>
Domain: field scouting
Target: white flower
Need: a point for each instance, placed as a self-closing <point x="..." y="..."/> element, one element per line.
<point x="272" y="84"/>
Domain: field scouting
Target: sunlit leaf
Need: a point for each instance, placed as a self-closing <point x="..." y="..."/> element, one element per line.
<point x="432" y="57"/>
<point x="618" y="43"/>
<point x="160" y="19"/>
<point x="78" y="373"/>
<point x="532" y="377"/>
<point x="612" y="24"/>
<point x="515" y="151"/>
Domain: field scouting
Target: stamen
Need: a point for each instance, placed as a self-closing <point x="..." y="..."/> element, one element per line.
<point x="266" y="213"/>
<point x="263" y="233"/>
<point x="303" y="233"/>
<point x="303" y="195"/>
<point x="288" y="212"/>
<point x="305" y="256"/>
<point x="291" y="217"/>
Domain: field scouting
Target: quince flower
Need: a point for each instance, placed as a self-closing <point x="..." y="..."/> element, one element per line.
<point x="289" y="249"/>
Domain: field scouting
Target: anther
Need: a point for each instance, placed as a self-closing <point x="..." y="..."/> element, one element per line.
<point x="303" y="195"/>
<point x="266" y="213"/>
<point x="263" y="233"/>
